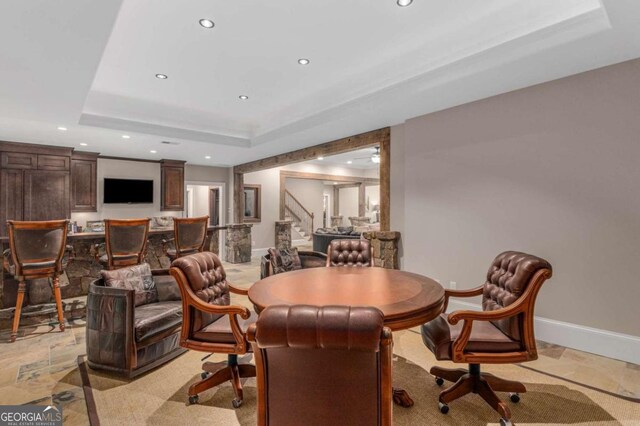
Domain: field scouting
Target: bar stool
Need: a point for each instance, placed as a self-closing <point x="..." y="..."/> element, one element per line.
<point x="37" y="249"/>
<point x="125" y="242"/>
<point x="189" y="234"/>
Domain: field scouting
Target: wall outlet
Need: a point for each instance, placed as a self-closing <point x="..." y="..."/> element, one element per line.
<point x="453" y="285"/>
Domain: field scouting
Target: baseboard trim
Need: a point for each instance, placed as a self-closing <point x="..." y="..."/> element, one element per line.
<point x="619" y="346"/>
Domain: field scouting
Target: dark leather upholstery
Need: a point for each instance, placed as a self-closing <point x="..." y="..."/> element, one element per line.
<point x="208" y="281"/>
<point x="322" y="240"/>
<point x="350" y="253"/>
<point x="38" y="249"/>
<point x="308" y="259"/>
<point x="220" y="330"/>
<point x="507" y="279"/>
<point x="126" y="339"/>
<point x="322" y="365"/>
<point x="438" y="335"/>
<point x="125" y="242"/>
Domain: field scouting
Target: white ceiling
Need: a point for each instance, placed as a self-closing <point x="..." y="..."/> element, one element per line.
<point x="360" y="159"/>
<point x="89" y="65"/>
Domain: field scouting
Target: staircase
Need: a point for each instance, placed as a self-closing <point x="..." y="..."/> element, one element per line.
<point x="301" y="218"/>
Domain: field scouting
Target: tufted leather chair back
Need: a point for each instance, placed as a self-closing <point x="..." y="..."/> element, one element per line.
<point x="350" y="253"/>
<point x="208" y="281"/>
<point x="312" y="360"/>
<point x="507" y="279"/>
<point x="190" y="234"/>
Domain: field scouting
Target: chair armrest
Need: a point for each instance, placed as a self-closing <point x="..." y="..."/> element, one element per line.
<point x="219" y="309"/>
<point x="460" y="293"/>
<point x="238" y="290"/>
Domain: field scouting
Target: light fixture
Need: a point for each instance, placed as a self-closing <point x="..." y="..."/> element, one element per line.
<point x="243" y="97"/>
<point x="64" y="129"/>
<point x="349" y="162"/>
<point x="162" y="76"/>
<point x="207" y="23"/>
<point x="375" y="158"/>
<point x="83" y="144"/>
<point x="404" y="3"/>
<point x="335" y="183"/>
<point x="303" y="61"/>
<point x="320" y="158"/>
<point x="153" y="151"/>
<point x="208" y="157"/>
<point x="126" y="137"/>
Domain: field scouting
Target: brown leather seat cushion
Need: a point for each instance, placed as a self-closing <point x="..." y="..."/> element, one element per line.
<point x="156" y="318"/>
<point x="38" y="265"/>
<point x="219" y="331"/>
<point x="438" y="335"/>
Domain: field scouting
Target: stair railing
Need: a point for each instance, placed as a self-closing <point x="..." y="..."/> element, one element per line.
<point x="298" y="213"/>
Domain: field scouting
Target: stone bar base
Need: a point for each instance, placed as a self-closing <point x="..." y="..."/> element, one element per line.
<point x="238" y="243"/>
<point x="385" y="248"/>
<point x="283" y="234"/>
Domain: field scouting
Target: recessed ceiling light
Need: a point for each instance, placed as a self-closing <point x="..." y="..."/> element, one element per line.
<point x="404" y="3"/>
<point x="83" y="144"/>
<point x="153" y="151"/>
<point x="208" y="157"/>
<point x="335" y="183"/>
<point x="349" y="162"/>
<point x="320" y="158"/>
<point x="243" y="97"/>
<point x="126" y="137"/>
<point x="303" y="61"/>
<point x="162" y="76"/>
<point x="64" y="129"/>
<point x="207" y="23"/>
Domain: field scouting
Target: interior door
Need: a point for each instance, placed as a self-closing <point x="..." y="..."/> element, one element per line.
<point x="214" y="206"/>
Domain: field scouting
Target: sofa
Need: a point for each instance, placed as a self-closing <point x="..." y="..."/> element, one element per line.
<point x="308" y="259"/>
<point x="323" y="236"/>
<point x="127" y="335"/>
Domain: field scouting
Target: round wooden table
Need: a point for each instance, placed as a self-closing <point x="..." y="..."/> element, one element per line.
<point x="406" y="299"/>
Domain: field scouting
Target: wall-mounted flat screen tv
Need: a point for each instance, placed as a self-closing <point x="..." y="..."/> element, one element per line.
<point x="128" y="191"/>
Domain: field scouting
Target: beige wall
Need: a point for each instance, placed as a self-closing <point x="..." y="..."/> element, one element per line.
<point x="553" y="170"/>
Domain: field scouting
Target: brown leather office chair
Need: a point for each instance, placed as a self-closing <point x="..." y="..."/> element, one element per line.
<point x="350" y="253"/>
<point x="125" y="242"/>
<point x="502" y="333"/>
<point x="189" y="236"/>
<point x="210" y="323"/>
<point x="36" y="249"/>
<point x="327" y="365"/>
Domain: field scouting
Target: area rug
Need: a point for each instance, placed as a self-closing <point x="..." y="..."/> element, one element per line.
<point x="160" y="398"/>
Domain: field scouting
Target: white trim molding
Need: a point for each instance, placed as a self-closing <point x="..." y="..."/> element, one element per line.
<point x="600" y="342"/>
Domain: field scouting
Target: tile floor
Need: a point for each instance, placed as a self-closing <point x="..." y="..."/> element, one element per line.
<point x="41" y="366"/>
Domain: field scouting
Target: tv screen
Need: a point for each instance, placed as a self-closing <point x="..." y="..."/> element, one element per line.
<point x="128" y="191"/>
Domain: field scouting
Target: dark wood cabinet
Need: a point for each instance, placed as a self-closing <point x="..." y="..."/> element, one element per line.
<point x="53" y="162"/>
<point x="11" y="190"/>
<point x="84" y="185"/>
<point x="18" y="160"/>
<point x="172" y="185"/>
<point x="46" y="195"/>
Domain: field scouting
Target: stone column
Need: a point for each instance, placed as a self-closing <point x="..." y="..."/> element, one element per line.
<point x="213" y="242"/>
<point x="238" y="243"/>
<point x="336" y="221"/>
<point x="283" y="234"/>
<point x="385" y="248"/>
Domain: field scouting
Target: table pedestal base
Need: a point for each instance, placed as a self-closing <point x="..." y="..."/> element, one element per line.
<point x="402" y="398"/>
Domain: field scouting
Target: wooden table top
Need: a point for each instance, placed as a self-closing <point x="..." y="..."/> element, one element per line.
<point x="405" y="299"/>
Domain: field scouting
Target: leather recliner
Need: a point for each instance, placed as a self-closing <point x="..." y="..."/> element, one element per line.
<point x="327" y="365"/>
<point x="350" y="253"/>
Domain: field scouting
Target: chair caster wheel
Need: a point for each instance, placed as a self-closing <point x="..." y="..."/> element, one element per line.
<point x="439" y="381"/>
<point x="505" y="422"/>
<point x="236" y="403"/>
<point x="204" y="375"/>
<point x="193" y="399"/>
<point x="444" y="408"/>
<point x="514" y="397"/>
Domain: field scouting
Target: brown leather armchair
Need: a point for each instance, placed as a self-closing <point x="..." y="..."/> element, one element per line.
<point x="502" y="333"/>
<point x="125" y="242"/>
<point x="36" y="251"/>
<point x="350" y="253"/>
<point x="308" y="259"/>
<point x="189" y="236"/>
<point x="211" y="323"/>
<point x="326" y="365"/>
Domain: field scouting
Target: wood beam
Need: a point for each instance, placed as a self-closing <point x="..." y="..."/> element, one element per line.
<point x="361" y="200"/>
<point x="336" y="201"/>
<point x="238" y="198"/>
<point x="385" y="185"/>
<point x="351" y="143"/>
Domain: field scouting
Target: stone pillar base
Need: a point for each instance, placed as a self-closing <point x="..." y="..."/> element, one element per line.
<point x="385" y="248"/>
<point x="238" y="243"/>
<point x="283" y="234"/>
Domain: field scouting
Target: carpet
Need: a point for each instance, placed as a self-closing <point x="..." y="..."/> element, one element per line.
<point x="159" y="398"/>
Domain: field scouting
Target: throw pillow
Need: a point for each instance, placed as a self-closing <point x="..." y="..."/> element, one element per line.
<point x="285" y="260"/>
<point x="137" y="278"/>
